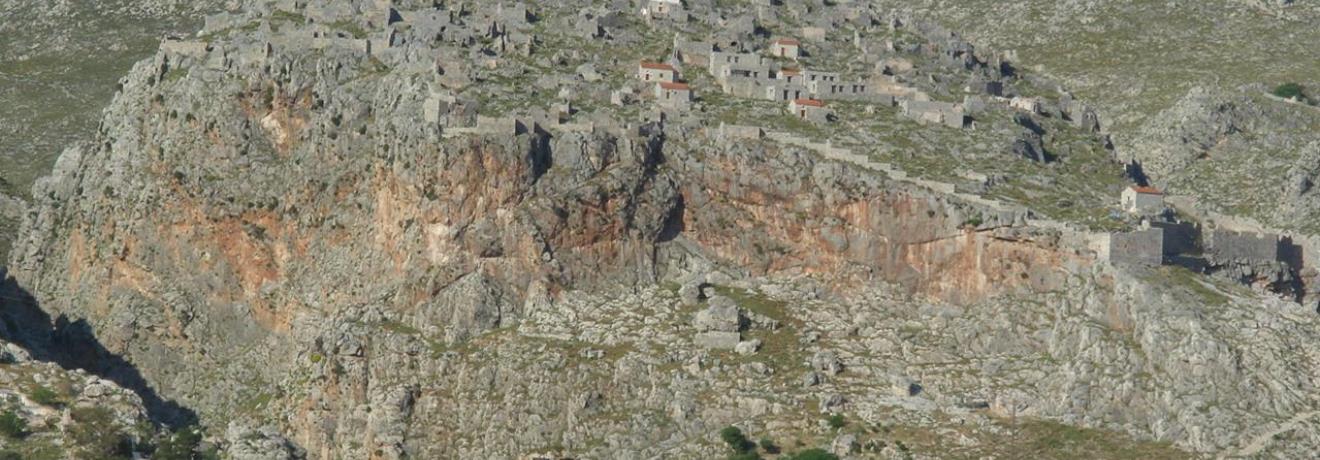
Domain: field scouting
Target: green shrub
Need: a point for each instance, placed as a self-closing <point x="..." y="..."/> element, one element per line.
<point x="768" y="445"/>
<point x="10" y="455"/>
<point x="836" y="421"/>
<point x="45" y="396"/>
<point x="1289" y="91"/>
<point x="179" y="445"/>
<point x="745" y="456"/>
<point x="12" y="425"/>
<point x="973" y="222"/>
<point x="210" y="453"/>
<point x="813" y="454"/>
<point x="95" y="435"/>
<point x="736" y="440"/>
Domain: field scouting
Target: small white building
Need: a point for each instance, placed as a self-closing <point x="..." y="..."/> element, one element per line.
<point x="813" y="110"/>
<point x="661" y="8"/>
<point x="656" y="72"/>
<point x="786" y="48"/>
<point x="673" y="95"/>
<point x="1026" y="104"/>
<point x="1142" y="200"/>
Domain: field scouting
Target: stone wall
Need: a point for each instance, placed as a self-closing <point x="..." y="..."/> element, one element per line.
<point x="1139" y="248"/>
<point x="1228" y="246"/>
<point x="737" y="132"/>
<point x="1180" y="237"/>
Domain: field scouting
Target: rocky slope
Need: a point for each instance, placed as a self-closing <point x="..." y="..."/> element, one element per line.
<point x="61" y="60"/>
<point x="1180" y="98"/>
<point x="272" y="233"/>
<point x="49" y="412"/>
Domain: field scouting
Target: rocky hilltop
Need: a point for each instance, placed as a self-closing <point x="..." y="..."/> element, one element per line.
<point x="365" y="229"/>
<point x="61" y="60"/>
<point x="1195" y="109"/>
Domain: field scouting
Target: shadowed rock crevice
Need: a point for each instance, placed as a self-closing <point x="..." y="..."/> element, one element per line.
<point x="72" y="344"/>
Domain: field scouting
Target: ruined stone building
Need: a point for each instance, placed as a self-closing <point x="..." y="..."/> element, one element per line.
<point x="692" y="52"/>
<point x="816" y="76"/>
<point x="781" y="90"/>
<point x="945" y="113"/>
<point x="1140" y="248"/>
<point x="843" y="90"/>
<point x="1227" y="247"/>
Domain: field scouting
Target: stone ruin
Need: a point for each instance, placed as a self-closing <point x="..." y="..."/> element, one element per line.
<point x="1228" y="247"/>
<point x="945" y="113"/>
<point x="1141" y="248"/>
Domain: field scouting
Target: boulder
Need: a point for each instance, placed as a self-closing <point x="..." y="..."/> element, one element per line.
<point x="810" y="379"/>
<point x="845" y="444"/>
<point x="721" y="315"/>
<point x="748" y="347"/>
<point x="246" y="443"/>
<point x="690" y="292"/>
<point x="718" y="340"/>
<point x="826" y="362"/>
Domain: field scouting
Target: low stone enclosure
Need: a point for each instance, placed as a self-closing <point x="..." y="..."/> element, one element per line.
<point x="1157" y="240"/>
<point x="1137" y="248"/>
<point x="1267" y="261"/>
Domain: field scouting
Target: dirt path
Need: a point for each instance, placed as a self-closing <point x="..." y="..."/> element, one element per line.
<point x="1260" y="441"/>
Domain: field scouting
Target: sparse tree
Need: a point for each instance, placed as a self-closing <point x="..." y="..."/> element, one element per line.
<point x="736" y="440"/>
<point x="45" y="396"/>
<point x="179" y="445"/>
<point x="837" y="421"/>
<point x="12" y="425"/>
<point x="1289" y="91"/>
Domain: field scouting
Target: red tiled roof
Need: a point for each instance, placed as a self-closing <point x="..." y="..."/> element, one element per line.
<point x="675" y="86"/>
<point x="657" y="66"/>
<point x="791" y="72"/>
<point x="787" y="41"/>
<point x="810" y="102"/>
<point x="1146" y="190"/>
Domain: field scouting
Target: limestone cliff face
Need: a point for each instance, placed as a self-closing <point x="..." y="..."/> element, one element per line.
<point x="276" y="211"/>
<point x="219" y="212"/>
<point x="773" y="211"/>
